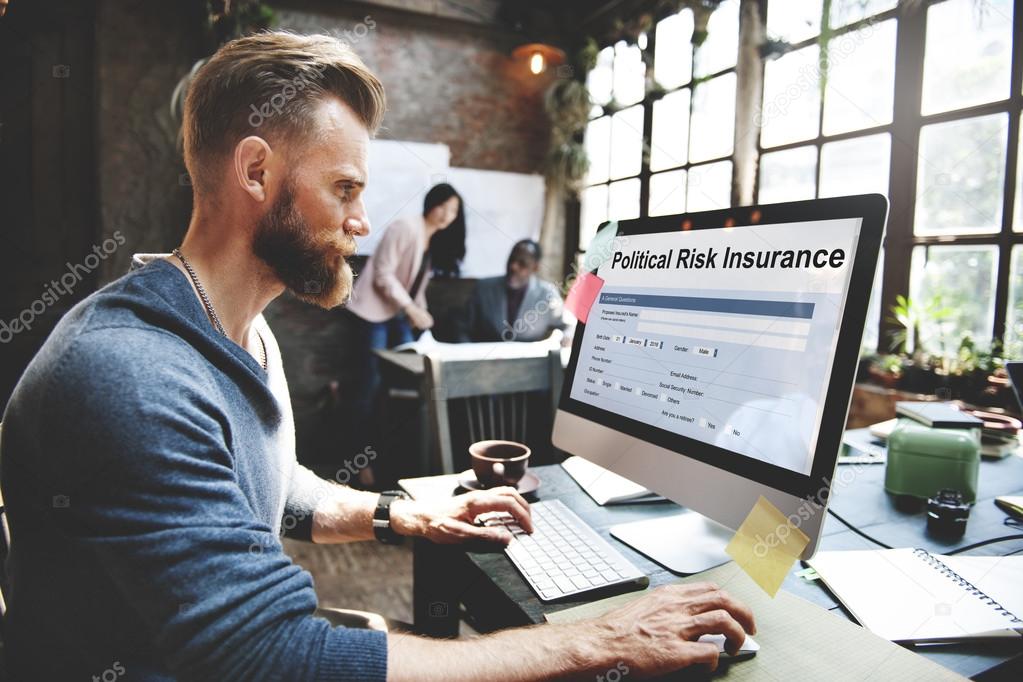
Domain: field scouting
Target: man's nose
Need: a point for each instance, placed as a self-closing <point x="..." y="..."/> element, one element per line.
<point x="357" y="223"/>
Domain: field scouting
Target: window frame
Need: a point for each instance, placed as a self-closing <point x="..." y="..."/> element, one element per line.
<point x="904" y="132"/>
<point x="647" y="103"/>
<point x="907" y="124"/>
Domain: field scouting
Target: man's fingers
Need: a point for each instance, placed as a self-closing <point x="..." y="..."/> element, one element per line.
<point x="508" y="490"/>
<point x="505" y="503"/>
<point x="719" y="599"/>
<point x="459" y="531"/>
<point x="718" y="622"/>
<point x="702" y="652"/>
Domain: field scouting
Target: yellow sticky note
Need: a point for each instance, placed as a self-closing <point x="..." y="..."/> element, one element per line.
<point x="766" y="545"/>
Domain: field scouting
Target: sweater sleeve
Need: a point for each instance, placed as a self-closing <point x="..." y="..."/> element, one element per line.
<point x="155" y="501"/>
<point x="306" y="491"/>
<point x="395" y="247"/>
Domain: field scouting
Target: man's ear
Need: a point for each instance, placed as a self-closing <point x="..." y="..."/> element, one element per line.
<point x="252" y="166"/>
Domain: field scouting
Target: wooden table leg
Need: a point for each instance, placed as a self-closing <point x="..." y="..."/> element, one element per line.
<point x="435" y="588"/>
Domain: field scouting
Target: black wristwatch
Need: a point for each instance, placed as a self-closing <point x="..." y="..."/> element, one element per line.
<point x="382" y="517"/>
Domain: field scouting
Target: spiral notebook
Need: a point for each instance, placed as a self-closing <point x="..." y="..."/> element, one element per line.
<point x="911" y="595"/>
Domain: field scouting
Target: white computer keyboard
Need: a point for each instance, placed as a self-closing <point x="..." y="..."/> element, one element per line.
<point x="564" y="556"/>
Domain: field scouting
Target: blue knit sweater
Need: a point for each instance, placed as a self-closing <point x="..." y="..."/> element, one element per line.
<point x="147" y="462"/>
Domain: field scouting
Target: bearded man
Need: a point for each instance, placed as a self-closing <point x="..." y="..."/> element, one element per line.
<point x="149" y="453"/>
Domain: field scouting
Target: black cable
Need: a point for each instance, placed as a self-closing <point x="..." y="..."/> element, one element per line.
<point x="857" y="530"/>
<point x="975" y="545"/>
<point x="1004" y="538"/>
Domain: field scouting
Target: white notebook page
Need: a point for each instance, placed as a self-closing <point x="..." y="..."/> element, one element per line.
<point x="900" y="596"/>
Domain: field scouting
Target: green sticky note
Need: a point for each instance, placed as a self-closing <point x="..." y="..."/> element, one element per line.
<point x="766" y="545"/>
<point x="601" y="247"/>
<point x="807" y="574"/>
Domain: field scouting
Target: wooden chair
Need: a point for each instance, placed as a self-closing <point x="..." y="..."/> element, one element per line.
<point x="494" y="394"/>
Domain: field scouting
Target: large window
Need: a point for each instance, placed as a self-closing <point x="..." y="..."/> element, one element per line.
<point x="920" y="102"/>
<point x="664" y="144"/>
<point x="828" y="106"/>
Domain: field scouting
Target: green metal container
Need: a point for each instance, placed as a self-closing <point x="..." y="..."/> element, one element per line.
<point x="922" y="460"/>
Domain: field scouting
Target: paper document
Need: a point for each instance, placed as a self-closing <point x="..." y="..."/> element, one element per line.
<point x="496" y="350"/>
<point x="606" y="487"/>
<point x="798" y="640"/>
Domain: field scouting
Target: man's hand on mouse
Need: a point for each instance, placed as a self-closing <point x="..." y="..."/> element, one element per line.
<point x="657" y="633"/>
<point x="452" y="520"/>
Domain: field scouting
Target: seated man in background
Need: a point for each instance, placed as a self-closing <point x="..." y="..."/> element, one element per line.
<point x="516" y="306"/>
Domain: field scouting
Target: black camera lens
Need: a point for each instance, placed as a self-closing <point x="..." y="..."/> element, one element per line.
<point x="947" y="514"/>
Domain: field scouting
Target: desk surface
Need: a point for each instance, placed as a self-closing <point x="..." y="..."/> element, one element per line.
<point x="857" y="494"/>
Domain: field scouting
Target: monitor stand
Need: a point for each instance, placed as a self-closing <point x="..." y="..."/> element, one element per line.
<point x="683" y="543"/>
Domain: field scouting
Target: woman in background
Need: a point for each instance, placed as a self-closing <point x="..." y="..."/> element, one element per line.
<point x="447" y="248"/>
<point x="389" y="298"/>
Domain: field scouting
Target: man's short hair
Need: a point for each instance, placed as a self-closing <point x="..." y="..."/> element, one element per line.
<point x="268" y="84"/>
<point x="529" y="246"/>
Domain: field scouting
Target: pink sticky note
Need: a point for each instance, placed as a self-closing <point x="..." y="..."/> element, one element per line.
<point x="582" y="295"/>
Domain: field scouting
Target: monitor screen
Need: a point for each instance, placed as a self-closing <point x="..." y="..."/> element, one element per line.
<point x="723" y="337"/>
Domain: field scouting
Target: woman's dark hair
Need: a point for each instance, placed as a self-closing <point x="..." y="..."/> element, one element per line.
<point x="447" y="247"/>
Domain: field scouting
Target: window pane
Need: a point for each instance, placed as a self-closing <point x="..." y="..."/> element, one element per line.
<point x="709" y="187"/>
<point x="861" y="79"/>
<point x="791" y="107"/>
<point x="790" y="175"/>
<point x="673" y="51"/>
<point x="953" y="288"/>
<point x="623" y="199"/>
<point x="598" y="149"/>
<point x="856" y="166"/>
<point x="598" y="80"/>
<point x="627" y="142"/>
<point x="667" y="193"/>
<point x="669" y="144"/>
<point x="793" y="22"/>
<point x="1018" y="222"/>
<point x="592" y="212"/>
<point x="967" y="55"/>
<point x="1014" y="319"/>
<point x="720" y="49"/>
<point x="960" y="176"/>
<point x="713" y="126"/>
<point x="629" y="74"/>
<point x="844" y="12"/>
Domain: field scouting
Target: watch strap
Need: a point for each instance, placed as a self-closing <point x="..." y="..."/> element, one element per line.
<point x="382" y="517"/>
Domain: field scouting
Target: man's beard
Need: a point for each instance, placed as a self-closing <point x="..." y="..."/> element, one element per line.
<point x="314" y="271"/>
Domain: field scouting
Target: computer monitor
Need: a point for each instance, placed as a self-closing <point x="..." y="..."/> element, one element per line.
<point x="717" y="361"/>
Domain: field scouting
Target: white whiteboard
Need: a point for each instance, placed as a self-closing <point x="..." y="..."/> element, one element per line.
<point x="501" y="208"/>
<point x="400" y="175"/>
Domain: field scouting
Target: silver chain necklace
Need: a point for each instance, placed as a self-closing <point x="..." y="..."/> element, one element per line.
<point x="208" y="305"/>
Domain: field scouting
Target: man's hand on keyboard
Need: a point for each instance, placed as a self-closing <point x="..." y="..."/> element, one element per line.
<point x="452" y="520"/>
<point x="657" y="633"/>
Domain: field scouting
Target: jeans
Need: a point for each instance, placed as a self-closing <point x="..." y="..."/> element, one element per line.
<point x="373" y="336"/>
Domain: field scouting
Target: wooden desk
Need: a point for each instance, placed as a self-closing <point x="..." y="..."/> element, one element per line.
<point x="495" y="596"/>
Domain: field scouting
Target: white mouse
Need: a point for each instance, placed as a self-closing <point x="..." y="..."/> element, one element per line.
<point x="749" y="646"/>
